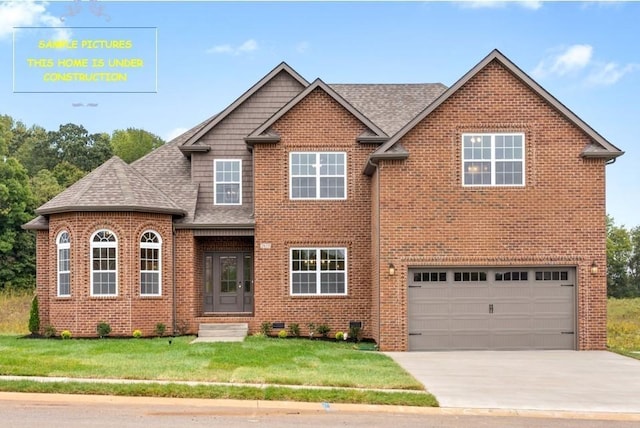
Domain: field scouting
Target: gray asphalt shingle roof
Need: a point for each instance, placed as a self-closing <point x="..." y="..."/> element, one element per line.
<point x="113" y="186"/>
<point x="390" y="106"/>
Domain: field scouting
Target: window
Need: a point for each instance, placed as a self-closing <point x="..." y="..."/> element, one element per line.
<point x="493" y="159"/>
<point x="150" y="267"/>
<point x="552" y="275"/>
<point x="512" y="276"/>
<point x="318" y="271"/>
<point x="104" y="264"/>
<point x="429" y="277"/>
<point x="64" y="267"/>
<point x="227" y="182"/>
<point x="318" y="175"/>
<point x="470" y="276"/>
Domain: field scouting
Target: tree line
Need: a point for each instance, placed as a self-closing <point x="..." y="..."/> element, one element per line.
<point x="623" y="260"/>
<point x="37" y="164"/>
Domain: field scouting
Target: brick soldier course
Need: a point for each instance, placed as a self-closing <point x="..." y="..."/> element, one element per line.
<point x="406" y="206"/>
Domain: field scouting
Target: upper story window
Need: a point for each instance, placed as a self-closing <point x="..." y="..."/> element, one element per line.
<point x="318" y="175"/>
<point x="104" y="263"/>
<point x="64" y="265"/>
<point x="493" y="159"/>
<point x="150" y="264"/>
<point x="227" y="182"/>
<point x="318" y="271"/>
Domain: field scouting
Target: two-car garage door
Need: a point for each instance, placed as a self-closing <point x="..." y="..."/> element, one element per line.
<point x="491" y="308"/>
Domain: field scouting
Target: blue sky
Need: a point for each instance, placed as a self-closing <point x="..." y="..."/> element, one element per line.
<point x="209" y="53"/>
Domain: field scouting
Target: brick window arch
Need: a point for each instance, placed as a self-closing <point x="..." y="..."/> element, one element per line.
<point x="104" y="263"/>
<point x="150" y="264"/>
<point x="64" y="266"/>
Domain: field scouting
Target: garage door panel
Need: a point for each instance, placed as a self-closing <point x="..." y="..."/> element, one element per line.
<point x="492" y="308"/>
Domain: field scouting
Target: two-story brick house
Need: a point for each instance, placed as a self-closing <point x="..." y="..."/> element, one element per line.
<point x="468" y="217"/>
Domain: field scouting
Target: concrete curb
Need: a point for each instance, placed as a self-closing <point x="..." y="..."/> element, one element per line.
<point x="241" y="406"/>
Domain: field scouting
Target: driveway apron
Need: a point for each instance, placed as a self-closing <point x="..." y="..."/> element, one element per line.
<point x="582" y="381"/>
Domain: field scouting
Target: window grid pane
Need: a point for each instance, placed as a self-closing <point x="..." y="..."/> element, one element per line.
<point x="493" y="159"/>
<point x="319" y="175"/>
<point x="150" y="250"/>
<point x="318" y="271"/>
<point x="228" y="182"/>
<point x="104" y="264"/>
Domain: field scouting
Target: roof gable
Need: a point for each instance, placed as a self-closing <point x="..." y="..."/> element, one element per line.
<point x="213" y="121"/>
<point x="375" y="134"/>
<point x="114" y="186"/>
<point x="607" y="150"/>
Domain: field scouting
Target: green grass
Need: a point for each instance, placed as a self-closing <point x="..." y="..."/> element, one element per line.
<point x="623" y="326"/>
<point x="256" y="360"/>
<point x="14" y="311"/>
<point x="226" y="392"/>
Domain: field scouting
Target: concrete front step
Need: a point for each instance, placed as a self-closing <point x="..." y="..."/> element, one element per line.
<point x="219" y="332"/>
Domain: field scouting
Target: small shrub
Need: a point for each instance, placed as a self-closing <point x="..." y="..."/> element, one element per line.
<point x="65" y="335"/>
<point x="137" y="334"/>
<point x="354" y="333"/>
<point x="323" y="330"/>
<point x="282" y="334"/>
<point x="339" y="335"/>
<point x="34" y="316"/>
<point x="294" y="329"/>
<point x="265" y="328"/>
<point x="160" y="329"/>
<point x="49" y="331"/>
<point x="103" y="329"/>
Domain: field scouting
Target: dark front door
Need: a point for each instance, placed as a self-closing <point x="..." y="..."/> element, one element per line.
<point x="228" y="282"/>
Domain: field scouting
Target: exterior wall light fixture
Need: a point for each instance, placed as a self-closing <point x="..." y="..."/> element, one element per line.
<point x="392" y="269"/>
<point x="594" y="268"/>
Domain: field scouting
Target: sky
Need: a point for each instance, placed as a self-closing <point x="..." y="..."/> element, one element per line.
<point x="199" y="56"/>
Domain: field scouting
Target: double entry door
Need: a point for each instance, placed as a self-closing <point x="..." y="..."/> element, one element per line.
<point x="228" y="282"/>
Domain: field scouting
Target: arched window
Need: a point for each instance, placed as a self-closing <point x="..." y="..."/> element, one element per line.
<point x="104" y="263"/>
<point x="64" y="266"/>
<point x="150" y="264"/>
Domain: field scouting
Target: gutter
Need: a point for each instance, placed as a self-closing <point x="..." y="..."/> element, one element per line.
<point x="375" y="167"/>
<point x="173" y="255"/>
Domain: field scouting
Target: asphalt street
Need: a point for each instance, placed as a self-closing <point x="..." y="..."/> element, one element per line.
<point x="64" y="411"/>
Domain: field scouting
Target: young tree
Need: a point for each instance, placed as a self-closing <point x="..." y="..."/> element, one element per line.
<point x="634" y="262"/>
<point x="132" y="143"/>
<point x="618" y="255"/>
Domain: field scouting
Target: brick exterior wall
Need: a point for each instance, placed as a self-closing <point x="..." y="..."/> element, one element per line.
<point x="317" y="123"/>
<point x="412" y="213"/>
<point x="428" y="218"/>
<point x="81" y="312"/>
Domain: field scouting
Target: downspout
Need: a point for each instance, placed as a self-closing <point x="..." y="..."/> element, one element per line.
<point x="173" y="279"/>
<point x="375" y="165"/>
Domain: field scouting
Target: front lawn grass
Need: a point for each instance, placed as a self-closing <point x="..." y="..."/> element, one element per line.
<point x="271" y="393"/>
<point x="623" y="326"/>
<point x="256" y="360"/>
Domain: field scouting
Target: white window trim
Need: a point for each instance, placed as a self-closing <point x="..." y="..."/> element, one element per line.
<point x="103" y="245"/>
<point x="157" y="246"/>
<point x="318" y="292"/>
<point x="63" y="246"/>
<point x="493" y="159"/>
<point x="317" y="177"/>
<point x="215" y="183"/>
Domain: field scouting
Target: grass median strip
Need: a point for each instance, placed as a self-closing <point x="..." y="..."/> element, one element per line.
<point x="269" y="393"/>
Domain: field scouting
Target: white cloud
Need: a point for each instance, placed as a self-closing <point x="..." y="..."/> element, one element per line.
<point x="494" y="4"/>
<point x="28" y="13"/>
<point x="574" y="58"/>
<point x="610" y="73"/>
<point x="176" y="132"/>
<point x="248" y="46"/>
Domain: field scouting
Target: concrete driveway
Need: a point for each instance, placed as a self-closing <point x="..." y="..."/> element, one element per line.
<point x="587" y="381"/>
